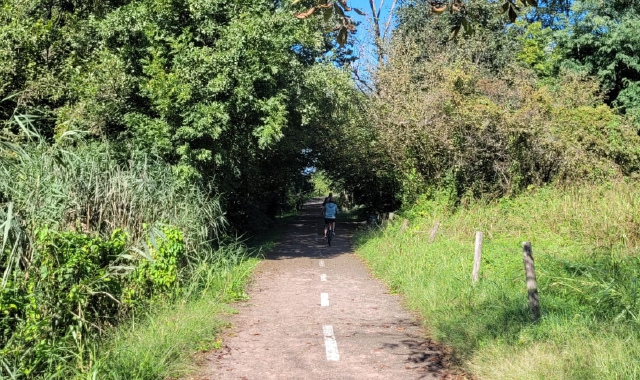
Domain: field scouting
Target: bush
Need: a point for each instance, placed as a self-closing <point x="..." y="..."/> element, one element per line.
<point x="87" y="237"/>
<point x="66" y="292"/>
<point x="450" y="122"/>
<point x="157" y="274"/>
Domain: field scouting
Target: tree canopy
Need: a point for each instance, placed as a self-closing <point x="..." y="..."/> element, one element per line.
<point x="219" y="89"/>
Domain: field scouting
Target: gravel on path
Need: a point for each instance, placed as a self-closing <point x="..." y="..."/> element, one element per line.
<point x="284" y="331"/>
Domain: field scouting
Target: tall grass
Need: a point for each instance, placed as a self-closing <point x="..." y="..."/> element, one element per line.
<point x="91" y="187"/>
<point x="585" y="243"/>
<point x="160" y="343"/>
<point x="83" y="229"/>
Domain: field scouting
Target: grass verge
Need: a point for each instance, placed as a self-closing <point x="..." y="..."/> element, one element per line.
<point x="585" y="243"/>
<point x="161" y="343"/>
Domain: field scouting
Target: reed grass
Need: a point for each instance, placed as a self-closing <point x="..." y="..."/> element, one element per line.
<point x="91" y="189"/>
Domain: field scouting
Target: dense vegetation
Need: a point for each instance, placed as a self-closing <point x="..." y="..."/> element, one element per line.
<point x="139" y="136"/>
<point x="527" y="132"/>
<point x="137" y="139"/>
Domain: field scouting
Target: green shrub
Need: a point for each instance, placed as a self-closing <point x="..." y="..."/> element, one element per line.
<point x="66" y="284"/>
<point x="66" y="292"/>
<point x="157" y="272"/>
<point x="449" y="121"/>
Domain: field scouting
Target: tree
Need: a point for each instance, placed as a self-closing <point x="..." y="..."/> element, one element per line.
<point x="464" y="11"/>
<point x="601" y="39"/>
<point x="212" y="87"/>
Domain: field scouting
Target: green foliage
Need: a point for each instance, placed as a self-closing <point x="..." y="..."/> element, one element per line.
<point x="321" y="184"/>
<point x="157" y="272"/>
<point x="601" y="39"/>
<point x="160" y="343"/>
<point x="58" y="299"/>
<point x="162" y="270"/>
<point x="585" y="244"/>
<point x="449" y="122"/>
<point x="210" y="87"/>
<point x="345" y="146"/>
<point x="69" y="270"/>
<point x="537" y="50"/>
<point x="92" y="187"/>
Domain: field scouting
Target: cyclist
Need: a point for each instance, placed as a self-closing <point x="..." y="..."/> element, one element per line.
<point x="325" y="202"/>
<point x="330" y="212"/>
<point x="326" y="199"/>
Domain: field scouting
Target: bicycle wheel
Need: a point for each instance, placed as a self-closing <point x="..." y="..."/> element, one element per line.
<point x="329" y="236"/>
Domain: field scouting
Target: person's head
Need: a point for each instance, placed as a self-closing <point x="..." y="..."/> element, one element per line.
<point x="330" y="195"/>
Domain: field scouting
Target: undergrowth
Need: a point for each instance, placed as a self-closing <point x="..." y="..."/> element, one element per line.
<point x="103" y="255"/>
<point x="160" y="343"/>
<point x="585" y="243"/>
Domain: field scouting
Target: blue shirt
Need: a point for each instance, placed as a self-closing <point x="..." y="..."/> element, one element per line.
<point x="330" y="210"/>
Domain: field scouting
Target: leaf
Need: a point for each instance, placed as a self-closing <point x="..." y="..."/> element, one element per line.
<point x="339" y="11"/>
<point x="533" y="3"/>
<point x="344" y="5"/>
<point x="342" y="36"/>
<point x="7" y="226"/>
<point x="144" y="253"/>
<point x="303" y="15"/>
<point x="468" y="28"/>
<point x="294" y="2"/>
<point x="358" y="11"/>
<point x="454" y="32"/>
<point x="327" y="14"/>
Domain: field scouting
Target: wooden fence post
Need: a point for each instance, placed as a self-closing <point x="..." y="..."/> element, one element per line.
<point x="477" y="257"/>
<point x="532" y="285"/>
<point x="405" y="224"/>
<point x="434" y="231"/>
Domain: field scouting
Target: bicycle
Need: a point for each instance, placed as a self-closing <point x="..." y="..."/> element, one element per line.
<point x="330" y="234"/>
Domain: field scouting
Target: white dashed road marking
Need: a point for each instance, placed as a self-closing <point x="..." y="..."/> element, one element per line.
<point x="324" y="299"/>
<point x="321" y="263"/>
<point x="330" y="343"/>
<point x="323" y="277"/>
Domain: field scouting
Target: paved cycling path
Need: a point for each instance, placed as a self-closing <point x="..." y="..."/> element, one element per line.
<point x="315" y="312"/>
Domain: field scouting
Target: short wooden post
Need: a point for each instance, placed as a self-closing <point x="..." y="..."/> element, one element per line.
<point x="477" y="257"/>
<point x="532" y="285"/>
<point x="390" y="216"/>
<point x="405" y="224"/>
<point x="434" y="231"/>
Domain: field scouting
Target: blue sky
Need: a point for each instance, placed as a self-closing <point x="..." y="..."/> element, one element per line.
<point x="363" y="5"/>
<point x="363" y="36"/>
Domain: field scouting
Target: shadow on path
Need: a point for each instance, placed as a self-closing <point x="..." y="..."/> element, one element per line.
<point x="305" y="236"/>
<point x="280" y="332"/>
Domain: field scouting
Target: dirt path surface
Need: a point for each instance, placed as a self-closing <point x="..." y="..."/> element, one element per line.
<point x="315" y="312"/>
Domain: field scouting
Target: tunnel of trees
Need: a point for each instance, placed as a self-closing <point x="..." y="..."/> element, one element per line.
<point x="204" y="117"/>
